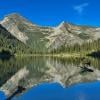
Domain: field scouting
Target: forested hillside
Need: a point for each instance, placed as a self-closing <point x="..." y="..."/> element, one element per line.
<point x="85" y="47"/>
<point x="10" y="43"/>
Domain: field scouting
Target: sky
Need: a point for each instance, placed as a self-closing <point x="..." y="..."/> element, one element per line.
<point x="53" y="12"/>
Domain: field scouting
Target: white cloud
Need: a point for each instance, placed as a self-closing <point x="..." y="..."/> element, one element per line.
<point x="80" y="8"/>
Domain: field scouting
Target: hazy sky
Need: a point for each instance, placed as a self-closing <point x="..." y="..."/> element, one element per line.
<point x="52" y="12"/>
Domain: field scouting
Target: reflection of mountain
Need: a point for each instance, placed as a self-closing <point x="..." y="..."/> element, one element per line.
<point x="13" y="82"/>
<point x="35" y="68"/>
<point x="68" y="74"/>
<point x="40" y="69"/>
<point x="9" y="68"/>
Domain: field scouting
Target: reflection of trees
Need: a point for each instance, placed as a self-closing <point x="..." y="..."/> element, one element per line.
<point x="7" y="69"/>
<point x="35" y="66"/>
<point x="76" y="61"/>
<point x="37" y="73"/>
<point x="66" y="71"/>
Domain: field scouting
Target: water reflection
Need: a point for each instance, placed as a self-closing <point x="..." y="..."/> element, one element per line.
<point x="28" y="72"/>
<point x="11" y="85"/>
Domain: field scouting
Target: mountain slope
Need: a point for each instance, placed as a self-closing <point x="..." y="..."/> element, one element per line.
<point x="42" y="39"/>
<point x="9" y="42"/>
<point x="26" y="32"/>
<point x="69" y="34"/>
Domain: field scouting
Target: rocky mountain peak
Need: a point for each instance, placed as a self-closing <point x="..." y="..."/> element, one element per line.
<point x="15" y="18"/>
<point x="13" y="15"/>
<point x="64" y="26"/>
<point x="13" y="23"/>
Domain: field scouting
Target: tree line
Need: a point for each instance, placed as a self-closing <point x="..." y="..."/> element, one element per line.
<point x="85" y="47"/>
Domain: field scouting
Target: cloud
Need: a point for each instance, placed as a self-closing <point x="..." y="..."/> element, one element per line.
<point x="80" y="8"/>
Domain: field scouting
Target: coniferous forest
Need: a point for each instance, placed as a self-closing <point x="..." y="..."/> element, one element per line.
<point x="85" y="47"/>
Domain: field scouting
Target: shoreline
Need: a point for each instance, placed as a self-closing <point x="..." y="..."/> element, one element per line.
<point x="65" y="55"/>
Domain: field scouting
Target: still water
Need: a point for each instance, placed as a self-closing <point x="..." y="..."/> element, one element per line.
<point x="46" y="78"/>
<point x="84" y="91"/>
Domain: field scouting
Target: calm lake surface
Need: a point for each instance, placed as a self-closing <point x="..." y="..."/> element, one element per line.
<point x="49" y="78"/>
<point x="84" y="91"/>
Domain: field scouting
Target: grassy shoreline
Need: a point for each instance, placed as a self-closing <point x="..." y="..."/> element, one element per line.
<point x="52" y="55"/>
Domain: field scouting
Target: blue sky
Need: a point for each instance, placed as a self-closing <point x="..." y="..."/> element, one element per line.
<point x="52" y="12"/>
